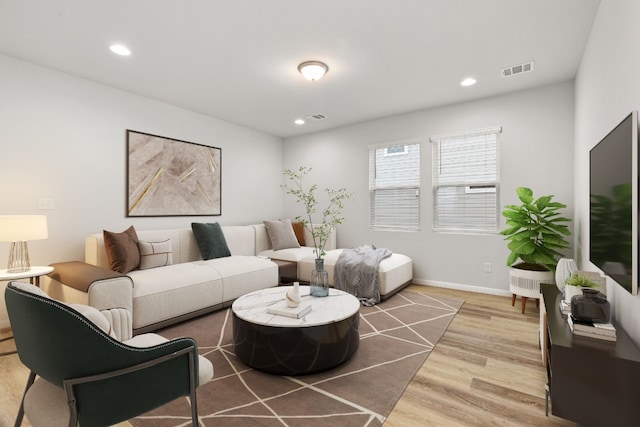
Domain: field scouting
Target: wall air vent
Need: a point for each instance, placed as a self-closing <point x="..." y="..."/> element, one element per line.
<point x="517" y="69"/>
<point x="316" y="117"/>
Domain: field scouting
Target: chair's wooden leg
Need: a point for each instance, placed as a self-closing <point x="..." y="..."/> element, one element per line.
<point x="537" y="302"/>
<point x="524" y="303"/>
<point x="513" y="300"/>
<point x="32" y="378"/>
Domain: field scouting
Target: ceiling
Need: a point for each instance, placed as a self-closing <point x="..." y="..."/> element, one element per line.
<point x="237" y="59"/>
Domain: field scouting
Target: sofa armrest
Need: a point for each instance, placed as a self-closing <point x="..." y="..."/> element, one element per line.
<point x="82" y="283"/>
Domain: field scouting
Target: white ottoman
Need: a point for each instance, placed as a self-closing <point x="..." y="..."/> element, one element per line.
<point x="394" y="272"/>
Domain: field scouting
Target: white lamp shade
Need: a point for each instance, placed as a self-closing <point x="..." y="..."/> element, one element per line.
<point x="313" y="70"/>
<point x="21" y="228"/>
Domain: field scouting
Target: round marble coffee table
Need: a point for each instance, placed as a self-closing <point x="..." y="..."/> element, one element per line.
<point x="323" y="338"/>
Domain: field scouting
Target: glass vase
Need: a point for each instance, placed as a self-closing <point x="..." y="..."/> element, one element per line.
<point x="319" y="280"/>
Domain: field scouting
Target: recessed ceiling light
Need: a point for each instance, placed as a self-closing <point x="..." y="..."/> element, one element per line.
<point x="299" y="121"/>
<point x="120" y="49"/>
<point x="469" y="81"/>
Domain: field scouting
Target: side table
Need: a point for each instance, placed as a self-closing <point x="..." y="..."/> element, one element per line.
<point x="287" y="271"/>
<point x="33" y="274"/>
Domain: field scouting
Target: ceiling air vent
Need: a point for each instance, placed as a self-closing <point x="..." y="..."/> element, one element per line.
<point x="317" y="117"/>
<point x="517" y="69"/>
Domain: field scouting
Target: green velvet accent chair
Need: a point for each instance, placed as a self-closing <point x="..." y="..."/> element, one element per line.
<point x="104" y="381"/>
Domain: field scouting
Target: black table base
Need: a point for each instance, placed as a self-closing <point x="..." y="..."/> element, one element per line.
<point x="295" y="350"/>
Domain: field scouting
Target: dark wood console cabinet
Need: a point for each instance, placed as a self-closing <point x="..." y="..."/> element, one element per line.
<point x="592" y="382"/>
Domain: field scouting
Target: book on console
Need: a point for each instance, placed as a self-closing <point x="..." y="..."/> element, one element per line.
<point x="282" y="309"/>
<point x="595" y="336"/>
<point x="597" y="330"/>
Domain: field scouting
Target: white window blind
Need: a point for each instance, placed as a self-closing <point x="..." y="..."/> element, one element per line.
<point x="394" y="185"/>
<point x="466" y="181"/>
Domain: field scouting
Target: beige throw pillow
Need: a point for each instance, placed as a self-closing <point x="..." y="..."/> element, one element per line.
<point x="281" y="234"/>
<point x="155" y="254"/>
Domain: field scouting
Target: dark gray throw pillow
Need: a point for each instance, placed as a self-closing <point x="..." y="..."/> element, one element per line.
<point x="210" y="239"/>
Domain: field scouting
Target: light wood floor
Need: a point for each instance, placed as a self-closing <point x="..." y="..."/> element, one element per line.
<point x="486" y="370"/>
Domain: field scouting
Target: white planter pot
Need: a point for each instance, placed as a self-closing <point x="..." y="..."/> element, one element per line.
<point x="526" y="283"/>
<point x="570" y="291"/>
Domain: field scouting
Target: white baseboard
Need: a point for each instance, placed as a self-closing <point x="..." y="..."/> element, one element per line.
<point x="462" y="287"/>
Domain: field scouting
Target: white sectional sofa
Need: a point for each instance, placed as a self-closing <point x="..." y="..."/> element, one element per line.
<point x="164" y="295"/>
<point x="189" y="287"/>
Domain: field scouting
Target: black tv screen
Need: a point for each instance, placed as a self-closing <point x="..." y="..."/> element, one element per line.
<point x="613" y="204"/>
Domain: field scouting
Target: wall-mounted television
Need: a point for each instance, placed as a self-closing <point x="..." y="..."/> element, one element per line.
<point x="613" y="195"/>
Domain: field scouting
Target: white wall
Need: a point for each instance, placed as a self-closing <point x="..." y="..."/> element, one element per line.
<point x="607" y="90"/>
<point x="536" y="151"/>
<point x="64" y="138"/>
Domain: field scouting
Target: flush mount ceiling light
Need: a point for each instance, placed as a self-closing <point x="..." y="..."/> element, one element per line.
<point x="120" y="49"/>
<point x="298" y="121"/>
<point x="469" y="81"/>
<point x="313" y="70"/>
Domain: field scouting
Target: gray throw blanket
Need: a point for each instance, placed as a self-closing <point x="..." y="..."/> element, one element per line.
<point x="356" y="272"/>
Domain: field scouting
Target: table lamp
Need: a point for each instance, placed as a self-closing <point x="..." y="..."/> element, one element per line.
<point x="17" y="229"/>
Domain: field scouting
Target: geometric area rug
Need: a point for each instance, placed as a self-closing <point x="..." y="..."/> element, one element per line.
<point x="396" y="337"/>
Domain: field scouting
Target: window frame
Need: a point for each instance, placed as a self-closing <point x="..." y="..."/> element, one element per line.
<point x="416" y="224"/>
<point x="482" y="187"/>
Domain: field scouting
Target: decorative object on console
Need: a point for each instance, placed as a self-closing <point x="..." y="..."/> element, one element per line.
<point x="18" y="229"/>
<point x="169" y="177"/>
<point x="331" y="218"/>
<point x="536" y="233"/>
<point x="591" y="306"/>
<point x="564" y="270"/>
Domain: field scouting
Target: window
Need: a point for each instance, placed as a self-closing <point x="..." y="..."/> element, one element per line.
<point x="394" y="185"/>
<point x="465" y="181"/>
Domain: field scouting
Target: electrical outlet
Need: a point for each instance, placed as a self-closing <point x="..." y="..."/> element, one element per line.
<point x="45" y="204"/>
<point x="487" y="267"/>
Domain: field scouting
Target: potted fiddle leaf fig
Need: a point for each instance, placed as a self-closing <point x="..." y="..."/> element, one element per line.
<point x="536" y="232"/>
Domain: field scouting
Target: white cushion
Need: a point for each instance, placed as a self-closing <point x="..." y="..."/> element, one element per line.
<point x="291" y="254"/>
<point x="205" y="367"/>
<point x="243" y="274"/>
<point x="28" y="287"/>
<point x="164" y="293"/>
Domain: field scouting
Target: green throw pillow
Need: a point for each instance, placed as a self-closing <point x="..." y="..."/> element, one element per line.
<point x="210" y="239"/>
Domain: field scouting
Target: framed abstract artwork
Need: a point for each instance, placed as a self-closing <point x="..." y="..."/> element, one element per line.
<point x="169" y="177"/>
